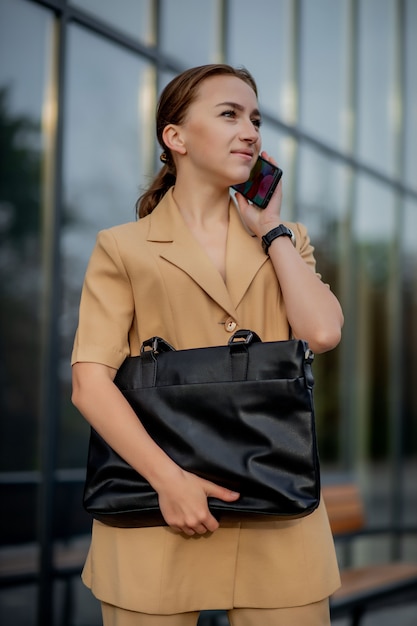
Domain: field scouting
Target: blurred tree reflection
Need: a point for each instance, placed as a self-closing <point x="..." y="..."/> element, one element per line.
<point x="19" y="174"/>
<point x="20" y="286"/>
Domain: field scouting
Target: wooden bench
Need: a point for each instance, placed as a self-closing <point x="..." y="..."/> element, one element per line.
<point x="370" y="586"/>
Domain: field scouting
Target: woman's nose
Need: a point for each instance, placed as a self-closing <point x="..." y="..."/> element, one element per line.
<point x="249" y="132"/>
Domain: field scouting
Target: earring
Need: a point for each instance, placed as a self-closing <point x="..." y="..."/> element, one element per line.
<point x="163" y="157"/>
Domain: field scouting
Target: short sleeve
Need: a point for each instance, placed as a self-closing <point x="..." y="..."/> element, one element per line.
<point x="304" y="246"/>
<point x="106" y="307"/>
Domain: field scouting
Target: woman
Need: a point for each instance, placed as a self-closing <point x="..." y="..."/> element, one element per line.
<point x="192" y="270"/>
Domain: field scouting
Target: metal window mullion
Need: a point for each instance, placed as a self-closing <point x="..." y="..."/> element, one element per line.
<point x="349" y="267"/>
<point x="224" y="12"/>
<point x="396" y="339"/>
<point x="49" y="393"/>
<point x="294" y="188"/>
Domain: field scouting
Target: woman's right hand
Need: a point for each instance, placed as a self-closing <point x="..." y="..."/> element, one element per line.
<point x="182" y="495"/>
<point x="184" y="505"/>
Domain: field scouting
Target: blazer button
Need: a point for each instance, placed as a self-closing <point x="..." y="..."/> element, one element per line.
<point x="230" y="325"/>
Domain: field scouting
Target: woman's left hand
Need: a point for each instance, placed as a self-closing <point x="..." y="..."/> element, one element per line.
<point x="260" y="221"/>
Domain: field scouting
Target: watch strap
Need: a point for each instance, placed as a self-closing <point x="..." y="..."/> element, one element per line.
<point x="279" y="231"/>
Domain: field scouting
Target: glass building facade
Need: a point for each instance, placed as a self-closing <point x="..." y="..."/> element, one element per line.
<point x="79" y="81"/>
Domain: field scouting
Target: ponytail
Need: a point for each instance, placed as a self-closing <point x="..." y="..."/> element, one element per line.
<point x="154" y="194"/>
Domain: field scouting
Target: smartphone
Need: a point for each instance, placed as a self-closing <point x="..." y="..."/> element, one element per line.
<point x="261" y="184"/>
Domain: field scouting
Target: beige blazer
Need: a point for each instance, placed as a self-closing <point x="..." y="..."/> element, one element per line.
<point x="149" y="278"/>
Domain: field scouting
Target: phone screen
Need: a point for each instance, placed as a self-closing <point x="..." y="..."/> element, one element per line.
<point x="261" y="184"/>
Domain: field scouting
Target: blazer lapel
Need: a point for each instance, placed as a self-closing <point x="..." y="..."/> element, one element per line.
<point x="177" y="245"/>
<point x="244" y="257"/>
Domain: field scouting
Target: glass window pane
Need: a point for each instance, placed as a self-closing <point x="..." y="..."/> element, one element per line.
<point x="409" y="367"/>
<point x="108" y="148"/>
<point x="260" y="37"/>
<point x="374" y="214"/>
<point x="23" y="81"/>
<point x="134" y="17"/>
<point x="410" y="94"/>
<point x="323" y="194"/>
<point x="324" y="71"/>
<point x="376" y="84"/>
<point x="321" y="204"/>
<point x="190" y="31"/>
<point x="372" y="384"/>
<point x="374" y="230"/>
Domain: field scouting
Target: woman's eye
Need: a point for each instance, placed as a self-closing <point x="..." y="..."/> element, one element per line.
<point x="231" y="114"/>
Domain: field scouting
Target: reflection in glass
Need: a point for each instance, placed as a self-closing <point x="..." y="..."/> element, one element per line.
<point x="322" y="188"/>
<point x="322" y="200"/>
<point x="374" y="231"/>
<point x="410" y="95"/>
<point x="22" y="84"/>
<point x="108" y="148"/>
<point x="377" y="104"/>
<point x="190" y="31"/>
<point x="409" y="264"/>
<point x="133" y="17"/>
<point x="270" y="56"/>
<point x="324" y="69"/>
<point x="409" y="366"/>
<point x="374" y="213"/>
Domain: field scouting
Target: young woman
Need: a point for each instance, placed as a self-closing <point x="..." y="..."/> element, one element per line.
<point x="192" y="270"/>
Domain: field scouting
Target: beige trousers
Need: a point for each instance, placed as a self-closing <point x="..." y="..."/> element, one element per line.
<point x="316" y="614"/>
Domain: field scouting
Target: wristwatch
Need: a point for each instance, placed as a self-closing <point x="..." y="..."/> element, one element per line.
<point x="279" y="231"/>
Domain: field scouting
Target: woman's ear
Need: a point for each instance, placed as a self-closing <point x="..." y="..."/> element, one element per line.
<point x="172" y="138"/>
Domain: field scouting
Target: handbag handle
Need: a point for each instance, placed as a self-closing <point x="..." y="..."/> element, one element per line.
<point x="157" y="344"/>
<point x="244" y="336"/>
<point x="238" y="345"/>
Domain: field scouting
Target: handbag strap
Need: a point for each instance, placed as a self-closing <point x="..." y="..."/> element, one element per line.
<point x="239" y="357"/>
<point x="308" y="372"/>
<point x="148" y="357"/>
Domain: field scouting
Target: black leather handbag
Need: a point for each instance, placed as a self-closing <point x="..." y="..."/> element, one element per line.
<point x="240" y="415"/>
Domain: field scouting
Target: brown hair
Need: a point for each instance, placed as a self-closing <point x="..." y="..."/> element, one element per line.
<point x="172" y="107"/>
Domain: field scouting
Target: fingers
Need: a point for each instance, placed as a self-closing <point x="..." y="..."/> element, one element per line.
<point x="188" y="530"/>
<point x="215" y="491"/>
<point x="266" y="156"/>
<point x="196" y="525"/>
<point x="190" y="514"/>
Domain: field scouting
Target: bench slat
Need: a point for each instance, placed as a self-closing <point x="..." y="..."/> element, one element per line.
<point x="363" y="587"/>
<point x="381" y="577"/>
<point x="344" y="508"/>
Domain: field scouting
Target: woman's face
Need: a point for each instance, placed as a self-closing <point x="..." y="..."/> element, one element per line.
<point x="221" y="131"/>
